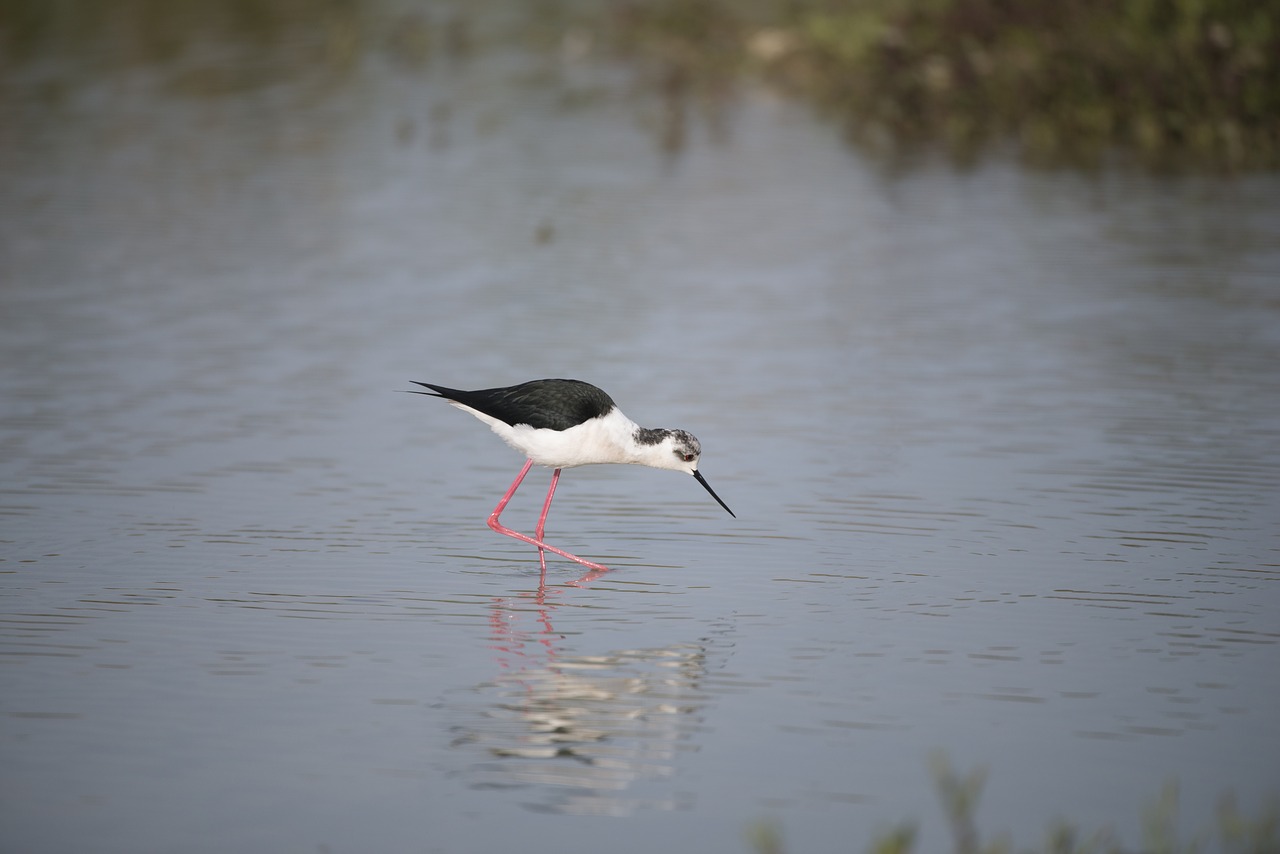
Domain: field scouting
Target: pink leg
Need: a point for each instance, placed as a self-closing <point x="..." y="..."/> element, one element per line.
<point x="502" y="505"/>
<point x="542" y="520"/>
<point x="546" y="505"/>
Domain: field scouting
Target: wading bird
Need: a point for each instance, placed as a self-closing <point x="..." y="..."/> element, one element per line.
<point x="566" y="423"/>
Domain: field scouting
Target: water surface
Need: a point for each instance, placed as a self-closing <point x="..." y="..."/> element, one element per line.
<point x="1004" y="448"/>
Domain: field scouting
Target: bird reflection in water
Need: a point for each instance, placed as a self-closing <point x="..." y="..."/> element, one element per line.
<point x="582" y="733"/>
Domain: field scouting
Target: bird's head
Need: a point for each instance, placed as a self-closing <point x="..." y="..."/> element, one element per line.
<point x="676" y="450"/>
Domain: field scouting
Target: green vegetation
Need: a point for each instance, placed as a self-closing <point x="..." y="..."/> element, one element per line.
<point x="1172" y="83"/>
<point x="1236" y="832"/>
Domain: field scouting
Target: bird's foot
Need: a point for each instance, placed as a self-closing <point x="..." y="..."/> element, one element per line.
<point x="525" y="538"/>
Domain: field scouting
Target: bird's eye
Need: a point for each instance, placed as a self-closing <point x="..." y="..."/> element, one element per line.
<point x="688" y="458"/>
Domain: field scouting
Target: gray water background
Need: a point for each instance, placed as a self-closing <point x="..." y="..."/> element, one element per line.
<point x="1004" y="447"/>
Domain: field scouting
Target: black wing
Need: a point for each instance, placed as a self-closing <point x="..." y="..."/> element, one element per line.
<point x="542" y="404"/>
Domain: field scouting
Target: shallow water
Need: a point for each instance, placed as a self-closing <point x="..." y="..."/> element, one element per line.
<point x="1004" y="448"/>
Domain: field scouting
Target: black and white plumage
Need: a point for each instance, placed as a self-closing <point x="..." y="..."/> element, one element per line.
<point x="565" y="423"/>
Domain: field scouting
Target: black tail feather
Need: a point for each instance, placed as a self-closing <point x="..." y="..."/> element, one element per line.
<point x="436" y="390"/>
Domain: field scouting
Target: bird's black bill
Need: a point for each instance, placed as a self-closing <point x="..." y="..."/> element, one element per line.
<point x="703" y="481"/>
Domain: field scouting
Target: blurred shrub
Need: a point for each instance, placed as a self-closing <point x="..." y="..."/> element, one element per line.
<point x="1176" y="83"/>
<point x="1237" y="833"/>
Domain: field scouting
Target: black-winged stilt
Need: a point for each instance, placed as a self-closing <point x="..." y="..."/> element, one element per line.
<point x="566" y="423"/>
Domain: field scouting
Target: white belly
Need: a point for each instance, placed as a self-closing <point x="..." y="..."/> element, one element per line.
<point x="600" y="440"/>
